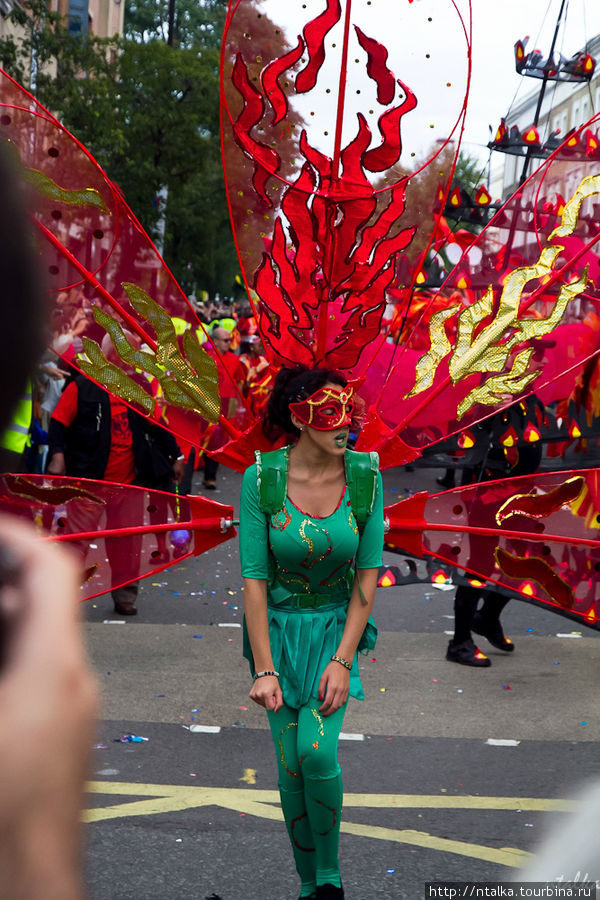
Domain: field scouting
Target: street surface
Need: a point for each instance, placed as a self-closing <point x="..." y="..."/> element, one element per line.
<point x="193" y="811"/>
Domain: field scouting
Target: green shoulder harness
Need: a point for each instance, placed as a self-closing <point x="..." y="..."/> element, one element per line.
<point x="361" y="478"/>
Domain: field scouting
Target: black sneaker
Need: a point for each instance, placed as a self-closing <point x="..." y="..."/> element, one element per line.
<point x="493" y="632"/>
<point x="329" y="892"/>
<point x="467" y="654"/>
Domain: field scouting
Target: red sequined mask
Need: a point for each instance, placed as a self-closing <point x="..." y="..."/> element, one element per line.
<point x="326" y="409"/>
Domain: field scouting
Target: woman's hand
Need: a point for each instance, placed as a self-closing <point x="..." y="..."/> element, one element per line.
<point x="56" y="464"/>
<point x="266" y="692"/>
<point x="334" y="687"/>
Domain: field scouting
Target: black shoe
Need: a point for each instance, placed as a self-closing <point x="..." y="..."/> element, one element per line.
<point x="329" y="892"/>
<point x="446" y="481"/>
<point x="493" y="632"/>
<point x="125" y="608"/>
<point x="467" y="654"/>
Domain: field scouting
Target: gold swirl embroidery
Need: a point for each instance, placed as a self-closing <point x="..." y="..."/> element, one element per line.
<point x="352" y="522"/>
<point x="307" y="563"/>
<point x="320" y="724"/>
<point x="487" y="350"/>
<point x="281" y="751"/>
<point x="276" y="521"/>
<point x="287" y="577"/>
<point x="330" y="581"/>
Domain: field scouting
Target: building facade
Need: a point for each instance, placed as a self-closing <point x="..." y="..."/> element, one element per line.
<point x="103" y="18"/>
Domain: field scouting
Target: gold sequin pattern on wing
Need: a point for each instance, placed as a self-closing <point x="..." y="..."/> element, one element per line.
<point x="491" y="349"/>
<point x="48" y="188"/>
<point x="189" y="383"/>
<point x="46" y="494"/>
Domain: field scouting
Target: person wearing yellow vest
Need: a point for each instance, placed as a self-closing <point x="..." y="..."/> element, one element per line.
<point x="15" y="437"/>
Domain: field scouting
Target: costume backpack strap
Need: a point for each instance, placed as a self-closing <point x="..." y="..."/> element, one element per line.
<point x="271" y="475"/>
<point x="361" y="477"/>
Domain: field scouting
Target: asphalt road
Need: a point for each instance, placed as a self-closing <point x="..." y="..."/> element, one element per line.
<point x="450" y="774"/>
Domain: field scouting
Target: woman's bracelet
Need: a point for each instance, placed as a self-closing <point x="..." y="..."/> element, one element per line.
<point x="266" y="672"/>
<point x="343" y="662"/>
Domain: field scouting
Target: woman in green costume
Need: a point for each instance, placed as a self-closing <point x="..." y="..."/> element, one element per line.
<point x="311" y="536"/>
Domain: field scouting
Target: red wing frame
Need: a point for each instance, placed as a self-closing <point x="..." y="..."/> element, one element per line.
<point x="537" y="536"/>
<point x="118" y="314"/>
<point x="120" y="533"/>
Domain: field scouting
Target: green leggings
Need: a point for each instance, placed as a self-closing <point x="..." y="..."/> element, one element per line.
<point x="310" y="787"/>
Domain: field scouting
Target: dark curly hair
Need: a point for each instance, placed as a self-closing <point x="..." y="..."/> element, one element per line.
<point x="291" y="385"/>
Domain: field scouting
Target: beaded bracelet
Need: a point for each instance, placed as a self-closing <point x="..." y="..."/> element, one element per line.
<point x="343" y="662"/>
<point x="266" y="672"/>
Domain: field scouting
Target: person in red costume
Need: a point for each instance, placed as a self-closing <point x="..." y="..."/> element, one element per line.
<point x="95" y="435"/>
<point x="231" y="375"/>
<point x="260" y="375"/>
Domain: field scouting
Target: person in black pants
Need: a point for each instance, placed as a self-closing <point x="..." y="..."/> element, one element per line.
<point x="486" y="620"/>
<point x="95" y="435"/>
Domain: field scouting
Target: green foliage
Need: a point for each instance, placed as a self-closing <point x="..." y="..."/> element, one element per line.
<point x="197" y="23"/>
<point x="468" y="173"/>
<point x="149" y="114"/>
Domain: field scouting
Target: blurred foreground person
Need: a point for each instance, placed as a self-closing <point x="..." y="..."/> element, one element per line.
<point x="570" y="853"/>
<point x="48" y="695"/>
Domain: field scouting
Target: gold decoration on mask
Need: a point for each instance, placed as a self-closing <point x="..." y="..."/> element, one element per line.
<point x="189" y="383"/>
<point x="44" y="185"/>
<point x="489" y="350"/>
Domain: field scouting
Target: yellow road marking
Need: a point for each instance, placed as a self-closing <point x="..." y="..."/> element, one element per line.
<point x="249" y="776"/>
<point x="162" y="798"/>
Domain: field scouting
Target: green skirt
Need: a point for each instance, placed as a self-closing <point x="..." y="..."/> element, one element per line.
<point x="302" y="644"/>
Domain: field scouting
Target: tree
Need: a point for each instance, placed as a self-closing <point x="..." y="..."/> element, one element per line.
<point x="149" y="113"/>
<point x="196" y="23"/>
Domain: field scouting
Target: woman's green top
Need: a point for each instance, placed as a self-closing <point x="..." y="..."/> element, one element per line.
<point x="308" y="563"/>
